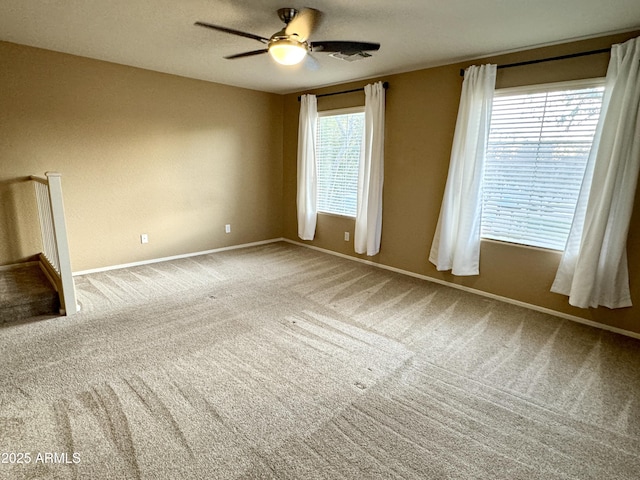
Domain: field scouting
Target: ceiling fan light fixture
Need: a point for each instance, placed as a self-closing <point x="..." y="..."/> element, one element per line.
<point x="287" y="52"/>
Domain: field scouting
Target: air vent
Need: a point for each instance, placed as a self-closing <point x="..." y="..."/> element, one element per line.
<point x="350" y="57"/>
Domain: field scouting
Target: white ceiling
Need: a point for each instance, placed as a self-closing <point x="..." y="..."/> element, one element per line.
<point x="159" y="34"/>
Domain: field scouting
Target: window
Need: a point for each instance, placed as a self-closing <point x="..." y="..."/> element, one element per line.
<point x="538" y="146"/>
<point x="338" y="150"/>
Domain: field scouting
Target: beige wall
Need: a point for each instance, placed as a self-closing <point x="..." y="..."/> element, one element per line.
<point x="420" y="121"/>
<point x="139" y="152"/>
<point x="144" y="152"/>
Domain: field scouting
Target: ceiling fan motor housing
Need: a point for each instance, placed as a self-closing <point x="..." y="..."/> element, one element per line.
<point x="287" y="14"/>
<point x="287" y="48"/>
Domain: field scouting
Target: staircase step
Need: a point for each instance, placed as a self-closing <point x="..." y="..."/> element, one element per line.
<point x="25" y="292"/>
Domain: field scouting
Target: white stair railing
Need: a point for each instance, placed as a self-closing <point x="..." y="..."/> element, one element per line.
<point x="55" y="244"/>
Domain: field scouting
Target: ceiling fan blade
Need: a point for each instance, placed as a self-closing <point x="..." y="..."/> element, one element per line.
<point x="304" y="23"/>
<point x="232" y="31"/>
<point x="344" y="47"/>
<point x="246" y="54"/>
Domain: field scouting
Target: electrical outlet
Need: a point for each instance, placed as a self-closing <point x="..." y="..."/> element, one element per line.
<point x="227" y="228"/>
<point x="346" y="236"/>
<point x="144" y="238"/>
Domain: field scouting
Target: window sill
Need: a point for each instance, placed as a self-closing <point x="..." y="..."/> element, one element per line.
<point x="338" y="215"/>
<point x="520" y="245"/>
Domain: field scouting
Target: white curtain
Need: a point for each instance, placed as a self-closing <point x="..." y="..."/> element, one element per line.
<point x="307" y="173"/>
<point x="371" y="173"/>
<point x="593" y="270"/>
<point x="456" y="243"/>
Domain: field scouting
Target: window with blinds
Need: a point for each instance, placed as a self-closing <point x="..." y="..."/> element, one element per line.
<point x="537" y="151"/>
<point x="338" y="145"/>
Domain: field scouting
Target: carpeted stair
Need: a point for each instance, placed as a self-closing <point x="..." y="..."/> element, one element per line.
<point x="25" y="292"/>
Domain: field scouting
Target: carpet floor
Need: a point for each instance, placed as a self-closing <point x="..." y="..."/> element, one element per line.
<point x="282" y="362"/>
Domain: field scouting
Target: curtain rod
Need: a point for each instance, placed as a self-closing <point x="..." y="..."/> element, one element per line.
<point x="385" y="85"/>
<point x="541" y="60"/>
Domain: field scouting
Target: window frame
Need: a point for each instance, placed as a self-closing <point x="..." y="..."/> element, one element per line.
<point x="550" y="87"/>
<point x="332" y="113"/>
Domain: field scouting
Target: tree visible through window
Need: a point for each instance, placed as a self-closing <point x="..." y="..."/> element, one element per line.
<point x="338" y="147"/>
<point x="537" y="152"/>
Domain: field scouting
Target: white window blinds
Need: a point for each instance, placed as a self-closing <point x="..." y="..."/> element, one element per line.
<point x="338" y="148"/>
<point x="537" y="152"/>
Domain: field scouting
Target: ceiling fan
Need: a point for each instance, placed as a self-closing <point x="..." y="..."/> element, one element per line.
<point x="290" y="45"/>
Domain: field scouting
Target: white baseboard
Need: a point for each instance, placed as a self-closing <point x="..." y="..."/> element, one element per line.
<point x="511" y="301"/>
<point x="175" y="257"/>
